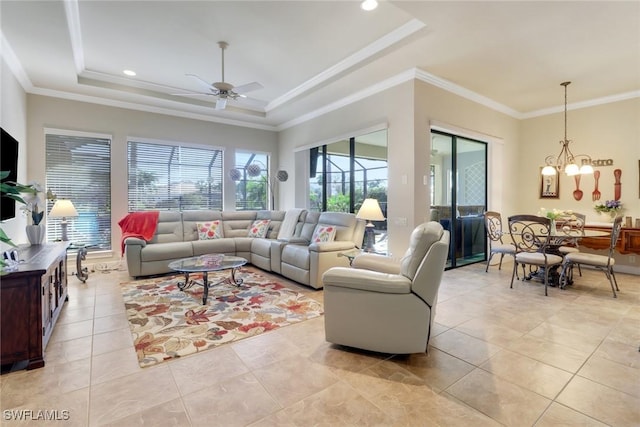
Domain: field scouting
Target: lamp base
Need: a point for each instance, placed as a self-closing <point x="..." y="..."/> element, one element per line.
<point x="369" y="238"/>
<point x="63" y="228"/>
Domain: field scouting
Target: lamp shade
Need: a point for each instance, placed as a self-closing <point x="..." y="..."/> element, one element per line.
<point x="63" y="209"/>
<point x="548" y="170"/>
<point x="370" y="210"/>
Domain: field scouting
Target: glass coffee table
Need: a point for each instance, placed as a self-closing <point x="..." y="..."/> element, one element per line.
<point x="205" y="264"/>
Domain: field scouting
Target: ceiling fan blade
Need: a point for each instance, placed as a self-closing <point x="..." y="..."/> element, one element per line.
<point x="193" y="94"/>
<point x="221" y="103"/>
<point x="249" y="87"/>
<point x="202" y="81"/>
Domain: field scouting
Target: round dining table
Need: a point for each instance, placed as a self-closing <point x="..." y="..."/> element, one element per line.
<point x="560" y="237"/>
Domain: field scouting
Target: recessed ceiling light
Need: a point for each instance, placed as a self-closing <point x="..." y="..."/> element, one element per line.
<point x="129" y="73"/>
<point x="369" y="4"/>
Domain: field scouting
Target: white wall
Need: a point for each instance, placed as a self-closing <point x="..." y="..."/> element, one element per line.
<point x="46" y="112"/>
<point x="609" y="131"/>
<point x="13" y="119"/>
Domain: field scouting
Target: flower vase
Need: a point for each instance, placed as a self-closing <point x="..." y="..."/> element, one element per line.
<point x="36" y="233"/>
<point x="552" y="227"/>
<point x="607" y="216"/>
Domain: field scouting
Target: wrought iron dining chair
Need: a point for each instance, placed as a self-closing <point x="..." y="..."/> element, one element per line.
<point x="599" y="262"/>
<point x="531" y="236"/>
<point x="571" y="224"/>
<point x="493" y="225"/>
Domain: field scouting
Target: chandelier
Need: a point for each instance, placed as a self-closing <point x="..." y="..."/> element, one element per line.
<point x="566" y="160"/>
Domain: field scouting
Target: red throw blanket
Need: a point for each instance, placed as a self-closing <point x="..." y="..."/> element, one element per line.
<point x="138" y="224"/>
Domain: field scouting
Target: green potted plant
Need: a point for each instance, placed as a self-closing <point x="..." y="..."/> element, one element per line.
<point x="12" y="190"/>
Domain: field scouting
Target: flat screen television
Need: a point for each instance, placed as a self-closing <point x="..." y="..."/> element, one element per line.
<point x="8" y="162"/>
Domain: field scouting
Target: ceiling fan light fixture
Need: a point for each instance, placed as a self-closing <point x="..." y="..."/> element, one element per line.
<point x="221" y="103"/>
<point x="369" y="5"/>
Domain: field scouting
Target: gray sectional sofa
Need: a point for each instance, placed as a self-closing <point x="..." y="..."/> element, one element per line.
<point x="292" y="255"/>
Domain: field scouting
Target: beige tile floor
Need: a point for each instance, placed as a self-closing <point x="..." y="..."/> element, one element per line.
<point x="498" y="356"/>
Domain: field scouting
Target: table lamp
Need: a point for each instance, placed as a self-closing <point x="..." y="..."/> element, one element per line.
<point x="370" y="211"/>
<point x="62" y="209"/>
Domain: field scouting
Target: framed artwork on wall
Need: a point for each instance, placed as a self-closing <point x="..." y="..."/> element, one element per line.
<point x="549" y="186"/>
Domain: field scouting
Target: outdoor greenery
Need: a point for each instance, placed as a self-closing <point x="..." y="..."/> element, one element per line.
<point x="339" y="202"/>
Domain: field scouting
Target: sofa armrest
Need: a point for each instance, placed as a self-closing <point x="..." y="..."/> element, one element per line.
<point x="375" y="262"/>
<point x="331" y="246"/>
<point x="366" y="280"/>
<point x="130" y="241"/>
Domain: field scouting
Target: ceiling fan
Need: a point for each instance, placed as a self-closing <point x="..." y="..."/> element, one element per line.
<point x="223" y="90"/>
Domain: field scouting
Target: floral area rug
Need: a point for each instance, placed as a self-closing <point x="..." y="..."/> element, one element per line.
<point x="167" y="323"/>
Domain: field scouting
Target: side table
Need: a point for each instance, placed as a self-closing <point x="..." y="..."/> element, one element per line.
<point x="82" y="273"/>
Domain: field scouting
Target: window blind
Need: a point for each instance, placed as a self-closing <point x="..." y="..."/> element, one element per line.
<point x="78" y="168"/>
<point x="173" y="176"/>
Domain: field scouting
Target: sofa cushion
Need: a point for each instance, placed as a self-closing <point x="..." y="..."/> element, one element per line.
<point x="214" y="246"/>
<point x="166" y="251"/>
<point x="237" y="223"/>
<point x="276" y="217"/>
<point x="209" y="230"/>
<point x="259" y="228"/>
<point x="296" y="255"/>
<point x="191" y="218"/>
<point x="323" y="233"/>
<point x="169" y="228"/>
<point x="307" y="228"/>
<point x="345" y="224"/>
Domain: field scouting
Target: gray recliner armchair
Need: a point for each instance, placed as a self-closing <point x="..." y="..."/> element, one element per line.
<point x="387" y="307"/>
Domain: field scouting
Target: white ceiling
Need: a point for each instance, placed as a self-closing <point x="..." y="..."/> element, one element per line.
<point x="312" y="56"/>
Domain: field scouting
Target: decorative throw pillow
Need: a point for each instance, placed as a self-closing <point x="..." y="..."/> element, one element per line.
<point x="259" y="228"/>
<point x="209" y="230"/>
<point x="323" y="233"/>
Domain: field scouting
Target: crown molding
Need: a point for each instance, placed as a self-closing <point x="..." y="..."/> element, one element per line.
<point x="360" y="56"/>
<point x="466" y="93"/>
<point x="365" y="93"/>
<point x="148" y="108"/>
<point x="14" y="64"/>
<point x="584" y="104"/>
<point x="72" y="13"/>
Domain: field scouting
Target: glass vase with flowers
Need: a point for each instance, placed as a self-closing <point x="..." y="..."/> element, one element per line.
<point x="609" y="209"/>
<point x="554" y="215"/>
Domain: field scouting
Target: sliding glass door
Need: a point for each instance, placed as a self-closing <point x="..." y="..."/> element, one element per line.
<point x="459" y="194"/>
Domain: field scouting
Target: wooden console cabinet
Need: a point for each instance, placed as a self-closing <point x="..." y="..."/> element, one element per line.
<point x="31" y="299"/>
<point x="628" y="242"/>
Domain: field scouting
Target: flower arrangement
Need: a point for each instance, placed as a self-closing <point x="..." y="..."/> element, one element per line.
<point x="610" y="206"/>
<point x="34" y="203"/>
<point x="556" y="213"/>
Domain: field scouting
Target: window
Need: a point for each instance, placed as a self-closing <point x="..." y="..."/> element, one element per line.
<point x="78" y="168"/>
<point x="163" y="176"/>
<point x="251" y="174"/>
<point x="344" y="173"/>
